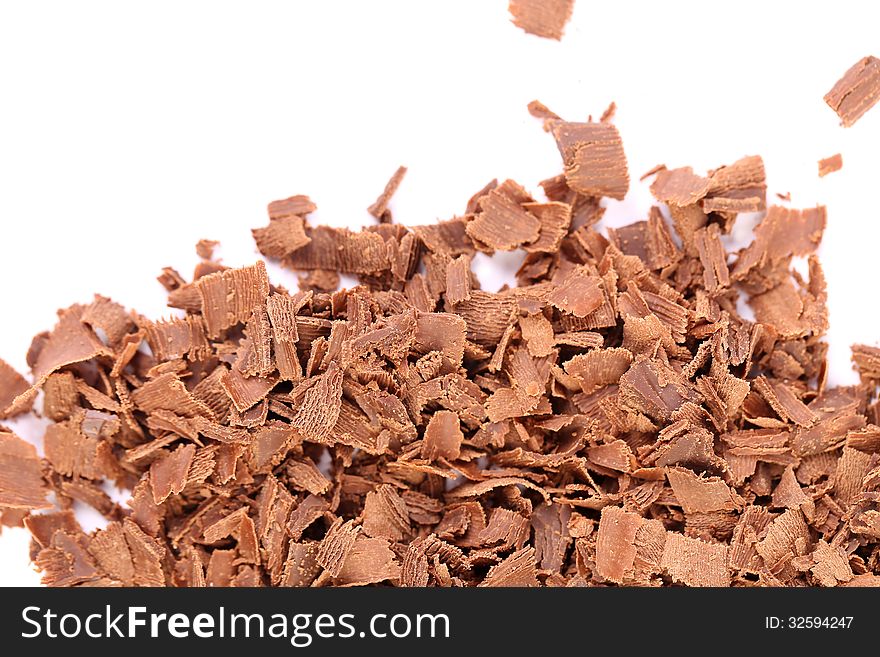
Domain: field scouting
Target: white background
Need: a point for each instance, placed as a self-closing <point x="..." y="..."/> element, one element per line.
<point x="129" y="131"/>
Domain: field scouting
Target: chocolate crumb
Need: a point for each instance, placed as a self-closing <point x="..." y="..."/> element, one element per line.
<point x="830" y="165"/>
<point x="379" y="209"/>
<point x="856" y="92"/>
<point x="544" y="18"/>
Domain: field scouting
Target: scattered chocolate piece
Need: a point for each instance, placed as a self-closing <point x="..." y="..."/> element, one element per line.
<point x="609" y="112"/>
<point x="12" y="386"/>
<point x="281" y="237"/>
<point x="830" y="165"/>
<point x="379" y="209"/>
<point x="595" y="164"/>
<point x="544" y="18"/>
<point x="610" y="420"/>
<point x="540" y="111"/>
<point x="22" y="485"/>
<point x="652" y="172"/>
<point x="856" y="92"/>
<point x="205" y="249"/>
<point x="503" y="223"/>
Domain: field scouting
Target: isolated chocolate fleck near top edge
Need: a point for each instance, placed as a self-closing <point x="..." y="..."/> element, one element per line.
<point x="612" y="419"/>
<point x="543" y="18"/>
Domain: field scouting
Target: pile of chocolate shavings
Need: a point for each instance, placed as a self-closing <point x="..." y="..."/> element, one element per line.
<point x="613" y="419"/>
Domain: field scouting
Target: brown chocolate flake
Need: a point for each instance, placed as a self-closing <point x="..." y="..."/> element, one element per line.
<point x="679" y="187"/>
<point x="519" y="569"/>
<point x="540" y="111"/>
<point x="168" y="393"/>
<point x="443" y="437"/>
<point x="110" y="551"/>
<point x="713" y="258"/>
<point x="615" y="544"/>
<point x="295" y="205"/>
<point x="386" y="514"/>
<point x="788" y="493"/>
<point x="70" y="342"/>
<point x="229" y="297"/>
<point x="44" y="525"/>
<point x="12" y="385"/>
<point x="458" y="280"/>
<point x="537" y="331"/>
<point x="595" y="164"/>
<point x="336" y="546"/>
<point x="555" y="221"/>
<point x="545" y="18"/>
<point x="830" y="165"/>
<point x="301" y="567"/>
<point x="21" y="479"/>
<point x="205" y="248"/>
<point x="653" y="171"/>
<point x="281" y="237"/>
<point x="609" y="112"/>
<point x="599" y="368"/>
<point x="341" y="250"/>
<point x="856" y="92"/>
<point x="831" y="565"/>
<point x="168" y="475"/>
<point x="552" y="538"/>
<point x="784" y="232"/>
<point x="852" y="468"/>
<point x="369" y="561"/>
<point x="66" y="561"/>
<point x="785" y="402"/>
<point x="304" y="514"/>
<point x="503" y="223"/>
<point x="245" y="391"/>
<point x="786" y="536"/>
<point x="110" y="317"/>
<point x="379" y="209"/>
<point x="72" y="453"/>
<point x="693" y="562"/>
<point x="651" y="388"/>
<point x="487" y="316"/>
<point x="305" y="475"/>
<point x="320" y="404"/>
<point x="147" y="554"/>
<point x="698" y="495"/>
<point x="866" y="360"/>
<point x="176" y="338"/>
<point x="580" y="294"/>
<point x="737" y="187"/>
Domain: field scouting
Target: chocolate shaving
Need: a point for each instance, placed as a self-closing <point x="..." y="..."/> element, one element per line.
<point x="693" y="562"/>
<point x="168" y="475"/>
<point x="281" y="237"/>
<point x="379" y="209"/>
<point x="503" y="223"/>
<point x="21" y="478"/>
<point x="856" y="92"/>
<point x="830" y="165"/>
<point x="443" y="437"/>
<point x="12" y="386"/>
<point x="543" y="18"/>
<point x="229" y="297"/>
<point x="592" y="153"/>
